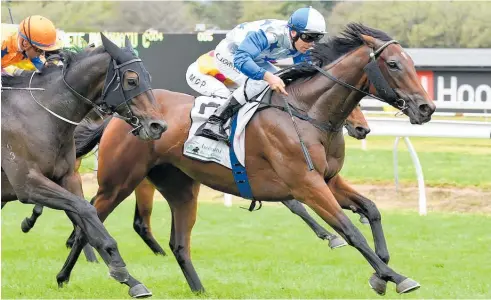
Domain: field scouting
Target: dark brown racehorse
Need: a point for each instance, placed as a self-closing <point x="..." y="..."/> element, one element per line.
<point x="38" y="149"/>
<point x="361" y="59"/>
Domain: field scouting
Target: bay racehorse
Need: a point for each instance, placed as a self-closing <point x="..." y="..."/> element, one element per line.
<point x="38" y="149"/>
<point x="356" y="126"/>
<point x="360" y="61"/>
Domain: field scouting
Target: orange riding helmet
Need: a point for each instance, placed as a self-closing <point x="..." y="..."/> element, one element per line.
<point x="39" y="32"/>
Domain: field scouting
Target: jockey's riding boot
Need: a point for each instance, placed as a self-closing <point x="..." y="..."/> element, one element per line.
<point x="213" y="128"/>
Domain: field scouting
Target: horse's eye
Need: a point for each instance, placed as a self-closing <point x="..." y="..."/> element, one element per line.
<point x="132" y="81"/>
<point x="393" y="65"/>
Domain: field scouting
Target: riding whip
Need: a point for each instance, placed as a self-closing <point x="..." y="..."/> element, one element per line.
<point x="10" y="12"/>
<point x="21" y="89"/>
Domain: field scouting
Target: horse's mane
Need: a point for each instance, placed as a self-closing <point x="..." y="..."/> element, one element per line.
<point x="70" y="56"/>
<point x="73" y="55"/>
<point x="326" y="52"/>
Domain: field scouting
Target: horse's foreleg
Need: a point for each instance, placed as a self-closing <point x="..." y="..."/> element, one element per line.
<point x="144" y="193"/>
<point x="181" y="192"/>
<point x="105" y="202"/>
<point x="137" y="289"/>
<point x="33" y="187"/>
<point x="348" y="198"/>
<point x="314" y="192"/>
<point x="298" y="209"/>
<point x="74" y="185"/>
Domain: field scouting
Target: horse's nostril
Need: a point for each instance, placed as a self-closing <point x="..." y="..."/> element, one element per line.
<point x="425" y="109"/>
<point x="362" y="130"/>
<point x="158" y="126"/>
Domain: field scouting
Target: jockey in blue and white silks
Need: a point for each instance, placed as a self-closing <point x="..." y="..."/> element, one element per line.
<point x="248" y="51"/>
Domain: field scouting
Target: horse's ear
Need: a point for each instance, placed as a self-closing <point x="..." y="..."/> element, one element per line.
<point x="110" y="47"/>
<point x="127" y="44"/>
<point x="370" y="41"/>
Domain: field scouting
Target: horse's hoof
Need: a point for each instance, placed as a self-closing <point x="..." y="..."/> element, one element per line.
<point x="160" y="252"/>
<point x="364" y="220"/>
<point x="25" y="226"/>
<point x="139" y="291"/>
<point x="377" y="284"/>
<point x="199" y="291"/>
<point x="337" y="242"/>
<point x="406" y="286"/>
<point x="119" y="273"/>
<point x="60" y="279"/>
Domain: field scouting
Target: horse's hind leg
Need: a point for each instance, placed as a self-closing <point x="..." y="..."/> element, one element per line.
<point x="8" y="192"/>
<point x="298" y="209"/>
<point x="348" y="198"/>
<point x="28" y="223"/>
<point x="363" y="219"/>
<point x="181" y="192"/>
<point x="144" y="193"/>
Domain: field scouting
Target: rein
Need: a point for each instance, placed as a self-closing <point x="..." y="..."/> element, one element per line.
<point x="297" y="112"/>
<point x="375" y="76"/>
<point x="98" y="109"/>
<point x="47" y="109"/>
<point x="63" y="72"/>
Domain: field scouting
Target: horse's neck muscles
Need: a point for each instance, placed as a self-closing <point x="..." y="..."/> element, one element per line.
<point x="88" y="85"/>
<point x="336" y="101"/>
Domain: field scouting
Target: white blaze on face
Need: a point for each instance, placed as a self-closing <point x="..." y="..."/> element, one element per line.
<point x="404" y="55"/>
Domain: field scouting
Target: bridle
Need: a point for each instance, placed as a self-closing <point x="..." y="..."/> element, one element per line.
<point x="115" y="79"/>
<point x="112" y="98"/>
<point x="375" y="76"/>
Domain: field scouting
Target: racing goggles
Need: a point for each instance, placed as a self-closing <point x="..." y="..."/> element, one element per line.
<point x="311" y="37"/>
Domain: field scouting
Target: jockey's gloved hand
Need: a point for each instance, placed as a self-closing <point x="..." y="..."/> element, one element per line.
<point x="17" y="72"/>
<point x="38" y="64"/>
<point x="275" y="82"/>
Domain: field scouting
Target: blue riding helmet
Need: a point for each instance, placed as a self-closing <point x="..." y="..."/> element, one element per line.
<point x="307" y="20"/>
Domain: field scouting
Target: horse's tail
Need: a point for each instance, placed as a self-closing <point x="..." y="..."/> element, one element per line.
<point x="87" y="135"/>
